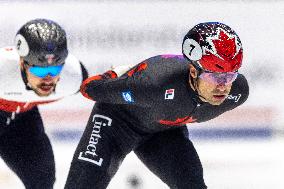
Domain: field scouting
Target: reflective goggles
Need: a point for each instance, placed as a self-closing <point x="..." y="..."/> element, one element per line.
<point x="42" y="72"/>
<point x="219" y="78"/>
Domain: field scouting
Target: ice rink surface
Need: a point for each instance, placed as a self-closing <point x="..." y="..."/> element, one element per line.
<point x="227" y="164"/>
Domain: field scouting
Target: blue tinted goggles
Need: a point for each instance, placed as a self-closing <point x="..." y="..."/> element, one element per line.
<point x="42" y="72"/>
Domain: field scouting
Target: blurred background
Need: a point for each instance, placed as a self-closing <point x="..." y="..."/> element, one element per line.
<point x="240" y="149"/>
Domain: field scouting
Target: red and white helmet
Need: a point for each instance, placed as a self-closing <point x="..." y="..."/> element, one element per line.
<point x="214" y="47"/>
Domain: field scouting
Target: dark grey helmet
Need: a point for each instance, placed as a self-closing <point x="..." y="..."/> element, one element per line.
<point x="42" y="42"/>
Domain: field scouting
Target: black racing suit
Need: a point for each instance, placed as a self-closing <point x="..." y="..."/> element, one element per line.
<point x="145" y="110"/>
<point x="26" y="149"/>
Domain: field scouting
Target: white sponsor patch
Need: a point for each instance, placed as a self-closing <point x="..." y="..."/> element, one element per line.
<point x="90" y="154"/>
<point x="236" y="98"/>
<point x="170" y="94"/>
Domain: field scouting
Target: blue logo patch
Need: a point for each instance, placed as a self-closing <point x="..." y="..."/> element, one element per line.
<point x="127" y="96"/>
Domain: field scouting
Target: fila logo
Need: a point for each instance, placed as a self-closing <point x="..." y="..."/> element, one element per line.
<point x="170" y="94"/>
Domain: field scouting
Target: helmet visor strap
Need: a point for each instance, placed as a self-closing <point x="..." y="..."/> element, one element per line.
<point x="219" y="78"/>
<point x="42" y="72"/>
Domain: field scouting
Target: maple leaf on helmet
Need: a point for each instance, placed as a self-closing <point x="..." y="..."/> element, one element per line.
<point x="214" y="47"/>
<point x="225" y="45"/>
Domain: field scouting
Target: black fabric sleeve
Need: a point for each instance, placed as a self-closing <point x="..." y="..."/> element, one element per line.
<point x="131" y="88"/>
